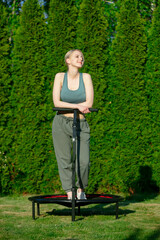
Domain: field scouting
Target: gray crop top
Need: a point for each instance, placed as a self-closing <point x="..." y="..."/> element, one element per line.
<point x="73" y="96"/>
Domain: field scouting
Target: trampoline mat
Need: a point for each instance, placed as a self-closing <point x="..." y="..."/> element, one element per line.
<point x="62" y="199"/>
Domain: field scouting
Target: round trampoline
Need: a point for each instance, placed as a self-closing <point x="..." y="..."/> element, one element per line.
<point x="62" y="199"/>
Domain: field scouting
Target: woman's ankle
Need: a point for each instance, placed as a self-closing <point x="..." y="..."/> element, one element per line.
<point x="80" y="190"/>
<point x="69" y="195"/>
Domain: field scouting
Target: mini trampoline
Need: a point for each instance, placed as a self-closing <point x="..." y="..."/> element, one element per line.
<point x="62" y="199"/>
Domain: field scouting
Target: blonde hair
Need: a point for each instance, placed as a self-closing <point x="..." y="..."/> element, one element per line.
<point x="68" y="54"/>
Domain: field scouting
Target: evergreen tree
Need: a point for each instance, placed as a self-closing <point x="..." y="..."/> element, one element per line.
<point x="32" y="158"/>
<point x="153" y="93"/>
<point x="46" y="5"/>
<point x="5" y="91"/>
<point x="111" y="10"/>
<point x="92" y="39"/>
<point x="126" y="108"/>
<point x="61" y="35"/>
<point x="14" y="13"/>
<point x="145" y="8"/>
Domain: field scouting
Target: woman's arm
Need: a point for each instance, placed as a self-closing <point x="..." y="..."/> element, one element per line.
<point x="89" y="91"/>
<point x="83" y="107"/>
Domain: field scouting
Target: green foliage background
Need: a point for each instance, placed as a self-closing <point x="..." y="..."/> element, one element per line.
<point x="121" y="45"/>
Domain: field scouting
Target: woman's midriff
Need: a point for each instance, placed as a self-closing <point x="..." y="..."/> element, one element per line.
<point x="79" y="115"/>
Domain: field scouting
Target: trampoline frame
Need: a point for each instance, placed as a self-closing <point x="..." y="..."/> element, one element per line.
<point x="62" y="200"/>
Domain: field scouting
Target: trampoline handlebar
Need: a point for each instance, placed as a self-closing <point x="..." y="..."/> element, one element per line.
<point x="72" y="109"/>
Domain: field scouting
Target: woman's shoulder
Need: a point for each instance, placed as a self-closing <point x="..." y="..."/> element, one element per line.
<point x="86" y="76"/>
<point x="59" y="75"/>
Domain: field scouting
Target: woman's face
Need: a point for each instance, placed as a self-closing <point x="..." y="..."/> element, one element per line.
<point x="76" y="59"/>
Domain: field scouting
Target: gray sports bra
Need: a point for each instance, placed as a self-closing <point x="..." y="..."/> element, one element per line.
<point x="73" y="96"/>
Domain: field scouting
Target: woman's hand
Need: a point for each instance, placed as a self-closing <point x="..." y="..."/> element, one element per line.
<point x="83" y="109"/>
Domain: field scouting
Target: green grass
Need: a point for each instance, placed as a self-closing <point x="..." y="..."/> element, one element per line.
<point x="139" y="218"/>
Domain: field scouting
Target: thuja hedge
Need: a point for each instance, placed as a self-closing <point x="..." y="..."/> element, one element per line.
<point x="124" y="134"/>
<point x="127" y="110"/>
<point x="153" y="94"/>
<point x="5" y="104"/>
<point x="29" y="110"/>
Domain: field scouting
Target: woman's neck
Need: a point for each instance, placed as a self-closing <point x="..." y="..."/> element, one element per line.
<point x="73" y="73"/>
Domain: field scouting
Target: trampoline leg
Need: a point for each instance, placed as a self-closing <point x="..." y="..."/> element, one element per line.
<point x="38" y="209"/>
<point x="33" y="210"/>
<point x="73" y="208"/>
<point x="117" y="205"/>
<point x="79" y="210"/>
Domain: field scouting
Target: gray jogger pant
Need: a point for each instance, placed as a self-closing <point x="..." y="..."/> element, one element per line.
<point x="62" y="131"/>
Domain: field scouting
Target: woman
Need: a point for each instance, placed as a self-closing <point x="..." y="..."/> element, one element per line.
<point x="72" y="90"/>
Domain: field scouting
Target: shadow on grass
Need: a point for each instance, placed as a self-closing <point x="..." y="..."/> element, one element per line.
<point x="71" y="239"/>
<point x="140" y="197"/>
<point x="98" y="209"/>
<point x="138" y="234"/>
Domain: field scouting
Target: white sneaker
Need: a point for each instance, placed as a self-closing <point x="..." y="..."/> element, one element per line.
<point x="81" y="195"/>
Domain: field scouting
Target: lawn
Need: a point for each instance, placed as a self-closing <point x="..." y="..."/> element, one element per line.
<point x="139" y="218"/>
